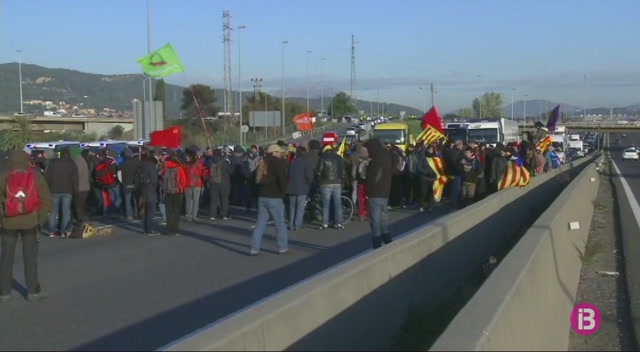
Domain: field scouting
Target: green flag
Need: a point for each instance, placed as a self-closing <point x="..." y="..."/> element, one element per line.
<point x="162" y="62"/>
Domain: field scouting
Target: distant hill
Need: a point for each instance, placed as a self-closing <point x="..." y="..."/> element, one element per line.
<point x="117" y="91"/>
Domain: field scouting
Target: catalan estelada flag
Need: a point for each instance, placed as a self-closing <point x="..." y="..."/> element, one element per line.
<point x="544" y="144"/>
<point x="437" y="166"/>
<point x="515" y="176"/>
<point x="429" y="135"/>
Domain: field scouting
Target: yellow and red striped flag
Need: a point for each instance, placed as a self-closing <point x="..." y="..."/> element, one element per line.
<point x="544" y="144"/>
<point x="429" y="135"/>
<point x="515" y="176"/>
<point x="436" y="164"/>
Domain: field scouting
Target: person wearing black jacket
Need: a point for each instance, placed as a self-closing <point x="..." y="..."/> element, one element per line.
<point x="149" y="191"/>
<point x="301" y="174"/>
<point x="127" y="177"/>
<point x="272" y="188"/>
<point x="331" y="172"/>
<point x="62" y="178"/>
<point x="454" y="171"/>
<point x="379" y="174"/>
<point x="426" y="177"/>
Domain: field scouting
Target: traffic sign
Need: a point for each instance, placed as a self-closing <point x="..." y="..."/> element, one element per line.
<point x="244" y="129"/>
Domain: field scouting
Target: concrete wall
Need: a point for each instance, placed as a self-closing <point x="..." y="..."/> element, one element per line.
<point x="527" y="301"/>
<point x="361" y="303"/>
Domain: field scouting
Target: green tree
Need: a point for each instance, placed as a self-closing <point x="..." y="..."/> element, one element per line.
<point x="342" y="105"/>
<point x="466" y="113"/>
<point x="161" y="95"/>
<point x="18" y="135"/>
<point x="206" y="97"/>
<point x="116" y="132"/>
<point x="489" y="105"/>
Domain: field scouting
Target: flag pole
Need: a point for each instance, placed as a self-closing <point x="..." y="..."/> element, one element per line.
<point x="204" y="127"/>
<point x="144" y="122"/>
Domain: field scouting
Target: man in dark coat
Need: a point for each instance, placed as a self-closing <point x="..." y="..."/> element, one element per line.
<point x="301" y="175"/>
<point x="149" y="193"/>
<point x="379" y="173"/>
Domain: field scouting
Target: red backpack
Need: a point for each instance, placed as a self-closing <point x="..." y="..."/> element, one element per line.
<point x="104" y="175"/>
<point x="22" y="195"/>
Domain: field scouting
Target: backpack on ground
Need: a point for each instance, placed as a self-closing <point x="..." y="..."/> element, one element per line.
<point x="261" y="172"/>
<point x="215" y="173"/>
<point x="104" y="177"/>
<point x="22" y="195"/>
<point x="170" y="181"/>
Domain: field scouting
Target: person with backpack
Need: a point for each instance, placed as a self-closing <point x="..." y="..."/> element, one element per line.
<point x="174" y="182"/>
<point x="62" y="179"/>
<point x="107" y="179"/>
<point x="195" y="171"/>
<point x="26" y="201"/>
<point x="219" y="186"/>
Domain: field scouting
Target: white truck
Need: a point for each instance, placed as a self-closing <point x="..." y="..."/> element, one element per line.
<point x="494" y="131"/>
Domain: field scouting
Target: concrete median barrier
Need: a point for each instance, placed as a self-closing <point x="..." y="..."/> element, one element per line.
<point x="525" y="304"/>
<point x="362" y="303"/>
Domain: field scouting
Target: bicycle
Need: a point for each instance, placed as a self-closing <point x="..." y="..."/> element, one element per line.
<point x="313" y="208"/>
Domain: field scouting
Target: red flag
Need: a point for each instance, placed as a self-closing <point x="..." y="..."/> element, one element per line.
<point x="168" y="138"/>
<point x="432" y="118"/>
<point x="304" y="121"/>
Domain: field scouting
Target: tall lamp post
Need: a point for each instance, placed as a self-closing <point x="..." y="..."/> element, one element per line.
<point x="240" y="85"/>
<point x="512" y="91"/>
<point x="322" y="85"/>
<point x="283" y="105"/>
<point x="585" y="98"/>
<point x="424" y="108"/>
<point x="480" y="99"/>
<point x="525" y="110"/>
<point x="20" y="79"/>
<point x="308" y="52"/>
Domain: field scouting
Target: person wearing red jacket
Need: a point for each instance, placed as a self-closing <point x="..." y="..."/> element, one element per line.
<point x="195" y="172"/>
<point x="174" y="184"/>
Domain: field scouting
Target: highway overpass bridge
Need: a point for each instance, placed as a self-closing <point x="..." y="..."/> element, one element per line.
<point x="592" y="127"/>
<point x="99" y="126"/>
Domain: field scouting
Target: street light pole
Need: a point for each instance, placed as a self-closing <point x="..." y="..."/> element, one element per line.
<point x="240" y="84"/>
<point x="480" y="99"/>
<point x="525" y="110"/>
<point x="512" y="91"/>
<point x="283" y="105"/>
<point x="146" y="129"/>
<point x="322" y="85"/>
<point x="585" y="98"/>
<point x="424" y="106"/>
<point x="308" y="52"/>
<point x="20" y="79"/>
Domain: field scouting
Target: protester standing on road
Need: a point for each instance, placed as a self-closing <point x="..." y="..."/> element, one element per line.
<point x="331" y="173"/>
<point x="174" y="181"/>
<point x="271" y="178"/>
<point x="62" y="179"/>
<point x="301" y="175"/>
<point x="379" y="173"/>
<point x="19" y="180"/>
<point x="128" y="171"/>
<point x="195" y="171"/>
<point x="149" y="191"/>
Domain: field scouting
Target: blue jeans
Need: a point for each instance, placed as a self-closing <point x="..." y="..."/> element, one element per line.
<point x="274" y="208"/>
<point x="130" y="204"/>
<point x="378" y="216"/>
<point x="116" y="200"/>
<point x="296" y="210"/>
<point x="163" y="210"/>
<point x="62" y="206"/>
<point x="331" y="194"/>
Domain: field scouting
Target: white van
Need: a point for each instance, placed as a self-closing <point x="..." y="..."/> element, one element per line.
<point x="52" y="114"/>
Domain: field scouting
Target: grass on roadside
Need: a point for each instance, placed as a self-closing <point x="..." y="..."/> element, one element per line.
<point x="591" y="251"/>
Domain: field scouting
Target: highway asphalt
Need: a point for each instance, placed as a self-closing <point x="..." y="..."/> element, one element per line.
<point x="626" y="182"/>
<point x="132" y="292"/>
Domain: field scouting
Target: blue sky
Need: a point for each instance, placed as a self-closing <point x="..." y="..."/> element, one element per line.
<point x="541" y="48"/>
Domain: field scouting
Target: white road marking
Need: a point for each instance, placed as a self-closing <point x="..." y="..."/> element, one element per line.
<point x="633" y="202"/>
